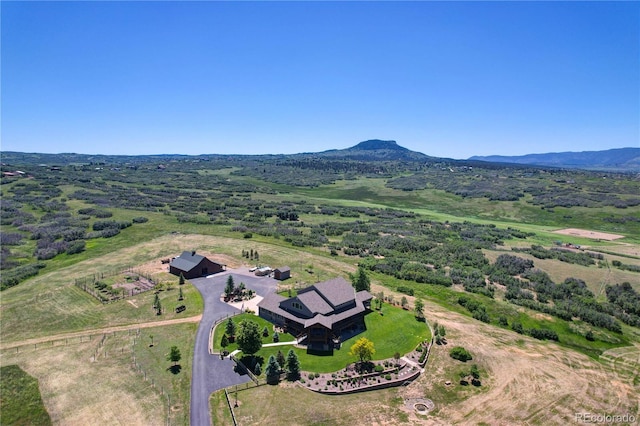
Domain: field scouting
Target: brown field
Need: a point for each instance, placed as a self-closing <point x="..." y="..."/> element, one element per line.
<point x="228" y="250"/>
<point x="589" y="234"/>
<point x="529" y="382"/>
<point x="78" y="389"/>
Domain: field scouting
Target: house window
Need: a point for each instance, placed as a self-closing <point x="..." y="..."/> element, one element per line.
<point x="297" y="306"/>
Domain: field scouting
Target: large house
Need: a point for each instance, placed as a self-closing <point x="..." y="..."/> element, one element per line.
<point x="321" y="313"/>
<point x="192" y="265"/>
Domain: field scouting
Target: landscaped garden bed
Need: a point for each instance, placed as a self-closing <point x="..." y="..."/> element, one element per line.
<point x="387" y="373"/>
<point x="390" y="372"/>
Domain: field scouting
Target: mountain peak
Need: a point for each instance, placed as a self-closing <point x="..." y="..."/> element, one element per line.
<point x="374" y="144"/>
<point x="375" y="150"/>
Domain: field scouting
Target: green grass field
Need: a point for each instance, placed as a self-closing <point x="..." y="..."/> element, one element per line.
<point x="220" y="331"/>
<point x="396" y="330"/>
<point x="21" y="403"/>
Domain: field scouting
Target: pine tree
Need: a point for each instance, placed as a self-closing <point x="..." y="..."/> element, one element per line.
<point x="174" y="355"/>
<point x="273" y="369"/>
<point x="230" y="329"/>
<point x="361" y="280"/>
<point x="230" y="287"/>
<point x="224" y="342"/>
<point x="280" y="358"/>
<point x="293" y="366"/>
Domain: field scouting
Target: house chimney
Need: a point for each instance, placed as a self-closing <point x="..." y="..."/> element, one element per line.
<point x="193" y="252"/>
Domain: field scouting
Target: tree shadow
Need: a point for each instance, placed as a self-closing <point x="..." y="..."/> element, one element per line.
<point x="175" y="369"/>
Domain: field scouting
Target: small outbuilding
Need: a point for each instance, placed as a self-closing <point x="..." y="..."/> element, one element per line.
<point x="282" y="273"/>
<point x="193" y="265"/>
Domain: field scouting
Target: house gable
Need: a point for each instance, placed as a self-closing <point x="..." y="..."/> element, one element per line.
<point x="332" y="306"/>
<point x="296" y="307"/>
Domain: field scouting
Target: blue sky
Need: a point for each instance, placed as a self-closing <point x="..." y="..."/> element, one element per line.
<point x="449" y="79"/>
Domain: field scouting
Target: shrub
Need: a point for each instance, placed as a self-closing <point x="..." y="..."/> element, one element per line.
<point x="378" y="368"/>
<point x="102" y="214"/>
<point x="517" y="327"/>
<point x="460" y="353"/>
<point x="76" y="247"/>
<point x="406" y="290"/>
<point x="109" y="232"/>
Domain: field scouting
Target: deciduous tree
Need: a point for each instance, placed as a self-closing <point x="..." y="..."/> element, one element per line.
<point x="419" y="309"/>
<point x="363" y="349"/>
<point x="249" y="338"/>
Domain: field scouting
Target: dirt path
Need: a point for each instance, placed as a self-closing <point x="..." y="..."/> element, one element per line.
<point x="83" y="333"/>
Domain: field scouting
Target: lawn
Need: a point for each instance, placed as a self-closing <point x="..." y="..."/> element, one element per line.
<point x="262" y="323"/>
<point x="396" y="330"/>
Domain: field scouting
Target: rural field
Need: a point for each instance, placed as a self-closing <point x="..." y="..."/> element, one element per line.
<point x="544" y="299"/>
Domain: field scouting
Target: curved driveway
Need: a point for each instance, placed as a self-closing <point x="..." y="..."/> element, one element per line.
<point x="209" y="372"/>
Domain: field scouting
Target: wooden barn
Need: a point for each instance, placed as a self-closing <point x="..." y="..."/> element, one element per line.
<point x="192" y="265"/>
<point x="282" y="273"/>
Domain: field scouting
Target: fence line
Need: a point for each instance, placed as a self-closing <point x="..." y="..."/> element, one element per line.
<point x="63" y="341"/>
<point x="213" y="327"/>
<point x="88" y="284"/>
<point x="233" y="416"/>
<point x="138" y="367"/>
<point x="245" y="369"/>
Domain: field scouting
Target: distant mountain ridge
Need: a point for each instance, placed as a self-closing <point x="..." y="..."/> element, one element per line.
<point x="612" y="160"/>
<point x="620" y="159"/>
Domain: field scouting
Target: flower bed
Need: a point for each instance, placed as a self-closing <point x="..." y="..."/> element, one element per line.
<point x="349" y="380"/>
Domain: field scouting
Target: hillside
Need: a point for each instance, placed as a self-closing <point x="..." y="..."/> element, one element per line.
<point x="622" y="159"/>
<point x="375" y="150"/>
